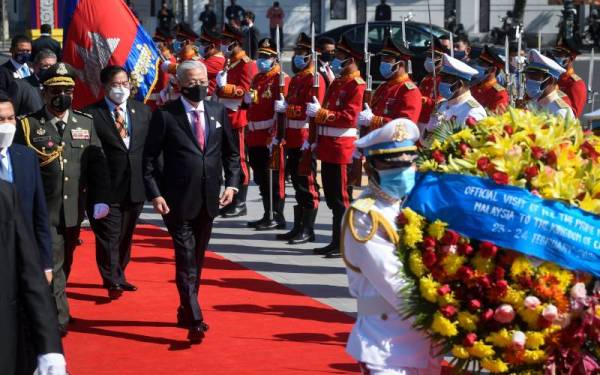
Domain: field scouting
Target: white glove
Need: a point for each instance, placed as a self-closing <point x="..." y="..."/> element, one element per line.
<point x="365" y="116"/>
<point x="51" y="364"/>
<point x="305" y="146"/>
<point x="274" y="142"/>
<point x="221" y="78"/>
<point x="313" y="108"/>
<point x="356" y="154"/>
<point x="280" y="105"/>
<point x="100" y="210"/>
<point x="248" y="97"/>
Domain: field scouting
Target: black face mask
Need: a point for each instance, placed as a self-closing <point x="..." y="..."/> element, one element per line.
<point x="327" y="56"/>
<point x="195" y="93"/>
<point x="61" y="102"/>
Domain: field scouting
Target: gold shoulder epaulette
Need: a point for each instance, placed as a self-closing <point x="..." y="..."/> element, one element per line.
<point x="575" y="77"/>
<point x="21" y="117"/>
<point x="246" y="59"/>
<point x="83" y="114"/>
<point x="364" y="204"/>
<point x="561" y="103"/>
<point x="410" y="85"/>
<point x="472" y="103"/>
<point x="498" y="87"/>
<point x="359" y="80"/>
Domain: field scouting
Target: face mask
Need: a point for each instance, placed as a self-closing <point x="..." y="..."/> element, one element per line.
<point x="264" y="65"/>
<point x="533" y="88"/>
<point x="61" y="102"/>
<point x="300" y="62"/>
<point x="225" y="49"/>
<point x="327" y="56"/>
<point x="501" y="79"/>
<point x="337" y="65"/>
<point x="7" y="133"/>
<point x="397" y="182"/>
<point x="428" y="65"/>
<point x="22" y="58"/>
<point x="387" y="69"/>
<point x="195" y="93"/>
<point x="119" y="94"/>
<point x="460" y="55"/>
<point x="177" y="46"/>
<point x="562" y="61"/>
<point x="446" y="89"/>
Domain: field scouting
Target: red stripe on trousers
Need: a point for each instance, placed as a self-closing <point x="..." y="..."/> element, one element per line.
<point x="243" y="164"/>
<point x="344" y="173"/>
<point x="312" y="190"/>
<point x="281" y="176"/>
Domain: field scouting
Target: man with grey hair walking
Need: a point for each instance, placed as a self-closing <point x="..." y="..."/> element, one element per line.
<point x="197" y="144"/>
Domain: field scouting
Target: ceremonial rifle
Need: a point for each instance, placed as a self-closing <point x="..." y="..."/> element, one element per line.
<point x="520" y="87"/>
<point x="591" y="93"/>
<point x="404" y="42"/>
<point x="277" y="152"/>
<point x="433" y="74"/>
<point x="305" y="165"/>
<point x="451" y="44"/>
<point x="509" y="79"/>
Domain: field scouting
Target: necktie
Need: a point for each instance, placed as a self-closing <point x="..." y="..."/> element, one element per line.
<point x="25" y="71"/>
<point x="120" y="122"/>
<point x="199" y="128"/>
<point x="4" y="172"/>
<point x="60" y="126"/>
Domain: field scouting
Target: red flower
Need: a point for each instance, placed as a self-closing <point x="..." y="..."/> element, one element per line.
<point x="465" y="273"/>
<point x="508" y="129"/>
<point x="448" y="311"/>
<point x="444" y="289"/>
<point x="487" y="249"/>
<point x="484" y="282"/>
<point x="429" y="258"/>
<point x="491" y="138"/>
<point x="402" y="220"/>
<point x="444" y="250"/>
<point x="499" y="273"/>
<point x="463" y="148"/>
<point x="551" y="158"/>
<point x="483" y="164"/>
<point x="531" y="172"/>
<point x="470" y="339"/>
<point x="465" y="249"/>
<point x="500" y="178"/>
<point x="501" y="287"/>
<point x="470" y="122"/>
<point x="429" y="242"/>
<point x="439" y="156"/>
<point x="537" y="152"/>
<point x="474" y="305"/>
<point x="487" y="315"/>
<point x="450" y="237"/>
<point x="589" y="151"/>
<point x="532" y="136"/>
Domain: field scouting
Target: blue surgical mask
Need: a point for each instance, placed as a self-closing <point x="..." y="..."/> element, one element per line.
<point x="337" y="65"/>
<point x="533" y="88"/>
<point x="397" y="182"/>
<point x="300" y="62"/>
<point x="429" y="65"/>
<point x="177" y="46"/>
<point x="264" y="65"/>
<point x="460" y="55"/>
<point x="387" y="69"/>
<point x="501" y="79"/>
<point x="446" y="89"/>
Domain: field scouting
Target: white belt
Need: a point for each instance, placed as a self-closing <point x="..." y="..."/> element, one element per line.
<point x="154" y="97"/>
<point x="260" y="125"/>
<point x="373" y="306"/>
<point x="231" y="104"/>
<point x="297" y="124"/>
<point x="337" y="132"/>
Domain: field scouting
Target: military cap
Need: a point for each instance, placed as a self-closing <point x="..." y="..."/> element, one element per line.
<point x="184" y="31"/>
<point x="457" y="68"/>
<point x="266" y="46"/>
<point x="344" y="45"/>
<point x="490" y="57"/>
<point x="539" y="62"/>
<point x="438" y="48"/>
<point x="232" y="33"/>
<point x="303" y="41"/>
<point x="397" y="136"/>
<point x="59" y="74"/>
<point x="210" y="36"/>
<point x="565" y="46"/>
<point x="391" y="48"/>
<point x="161" y="36"/>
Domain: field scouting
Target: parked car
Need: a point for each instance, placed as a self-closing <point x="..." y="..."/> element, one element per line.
<point x="418" y="36"/>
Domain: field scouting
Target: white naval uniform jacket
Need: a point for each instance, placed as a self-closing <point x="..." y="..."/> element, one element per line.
<point x="458" y="109"/>
<point x="553" y="104"/>
<point x="379" y="336"/>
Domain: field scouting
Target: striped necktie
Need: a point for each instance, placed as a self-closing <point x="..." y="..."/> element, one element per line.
<point x="120" y="123"/>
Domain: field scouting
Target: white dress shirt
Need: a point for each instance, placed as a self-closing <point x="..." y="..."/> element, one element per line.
<point x="189" y="111"/>
<point x="6" y="172"/>
<point x="123" y="106"/>
<point x="23" y="70"/>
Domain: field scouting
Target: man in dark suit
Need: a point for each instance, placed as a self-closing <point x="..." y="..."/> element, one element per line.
<point x="17" y="66"/>
<point x="27" y="92"/>
<point x="122" y="126"/>
<point x="45" y="41"/>
<point x="252" y="35"/>
<point x="23" y="286"/>
<point x="196" y="141"/>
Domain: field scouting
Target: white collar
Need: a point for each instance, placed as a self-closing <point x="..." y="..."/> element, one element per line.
<point x="549" y="98"/>
<point x="4" y="152"/>
<point x="188" y="106"/>
<point x="461" y="98"/>
<point x="112" y="105"/>
<point x="16" y="64"/>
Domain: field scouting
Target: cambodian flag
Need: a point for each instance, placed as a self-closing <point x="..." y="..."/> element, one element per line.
<point x="102" y="33"/>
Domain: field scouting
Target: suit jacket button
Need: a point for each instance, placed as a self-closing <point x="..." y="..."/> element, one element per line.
<point x="66" y="178"/>
<point x="64" y="160"/>
<point x="62" y="143"/>
<point x="384" y="317"/>
<point x="65" y="197"/>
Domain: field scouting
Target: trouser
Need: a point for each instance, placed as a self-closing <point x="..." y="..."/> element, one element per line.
<point x="259" y="158"/>
<point x="434" y="368"/>
<point x="113" y="240"/>
<point x="306" y="187"/>
<point x="64" y="241"/>
<point x="240" y="197"/>
<point x="190" y="239"/>
<point x="338" y="194"/>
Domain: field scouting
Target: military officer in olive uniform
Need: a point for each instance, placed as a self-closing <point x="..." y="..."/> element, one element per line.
<point x="74" y="171"/>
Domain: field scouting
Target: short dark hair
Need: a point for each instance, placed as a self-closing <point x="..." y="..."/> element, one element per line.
<point x="276" y="3"/>
<point x="444" y="37"/>
<point x="109" y="72"/>
<point x="44" y="54"/>
<point x="45" y="29"/>
<point x="250" y="14"/>
<point x="463" y="38"/>
<point x="325" y="40"/>
<point x="19" y="39"/>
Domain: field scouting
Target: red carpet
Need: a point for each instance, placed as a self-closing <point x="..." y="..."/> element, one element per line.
<point x="257" y="326"/>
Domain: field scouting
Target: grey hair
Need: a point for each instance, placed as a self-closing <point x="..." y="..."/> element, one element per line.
<point x="44" y="54"/>
<point x="189" y="65"/>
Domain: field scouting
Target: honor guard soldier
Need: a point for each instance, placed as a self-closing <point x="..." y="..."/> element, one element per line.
<point x="486" y="90"/>
<point x="541" y="85"/>
<point x="326" y="50"/>
<point x="398" y="97"/>
<point x="427" y="83"/>
<point x="74" y="171"/>
<point x="300" y="93"/>
<point x="381" y="340"/>
<point x="264" y="91"/>
<point x="564" y="53"/>
<point x="233" y="83"/>
<point x="214" y="60"/>
<point x="336" y="133"/>
<point x="459" y="106"/>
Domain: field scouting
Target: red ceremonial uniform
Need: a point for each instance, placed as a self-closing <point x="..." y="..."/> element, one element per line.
<point x="428" y="103"/>
<point x="261" y="113"/>
<point x="491" y="95"/>
<point x="241" y="70"/>
<point x="336" y="120"/>
<point x="300" y="92"/>
<point x="214" y="64"/>
<point x="572" y="85"/>
<point x="162" y="82"/>
<point x="396" y="98"/>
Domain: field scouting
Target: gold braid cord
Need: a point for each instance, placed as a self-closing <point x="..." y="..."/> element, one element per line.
<point x="45" y="157"/>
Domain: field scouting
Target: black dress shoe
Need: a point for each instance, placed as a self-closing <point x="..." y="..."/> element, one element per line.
<point x="63" y="330"/>
<point x="128" y="287"/>
<point x="235" y="211"/>
<point x="115" y="291"/>
<point x="254" y="223"/>
<point x="323" y="250"/>
<point x="196" y="333"/>
<point x="334" y="253"/>
<point x="270" y="224"/>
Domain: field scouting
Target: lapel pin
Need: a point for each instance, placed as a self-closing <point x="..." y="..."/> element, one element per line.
<point x="132" y="110"/>
<point x="74" y="119"/>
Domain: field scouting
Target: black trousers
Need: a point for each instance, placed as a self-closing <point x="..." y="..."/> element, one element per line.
<point x="190" y="239"/>
<point x="338" y="194"/>
<point x="113" y="240"/>
<point x="64" y="242"/>
<point x="306" y="187"/>
<point x="259" y="162"/>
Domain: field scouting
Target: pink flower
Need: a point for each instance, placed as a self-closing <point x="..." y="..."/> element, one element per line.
<point x="550" y="313"/>
<point x="518" y="339"/>
<point x="532" y="302"/>
<point x="448" y="311"/>
<point x="578" y="291"/>
<point x="504" y="313"/>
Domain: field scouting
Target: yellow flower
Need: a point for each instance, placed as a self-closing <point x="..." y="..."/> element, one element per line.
<point x="443" y="326"/>
<point x="483" y="265"/>
<point x="452" y="263"/>
<point x="534" y="356"/>
<point x="467" y="321"/>
<point x="521" y="265"/>
<point x="481" y="350"/>
<point x="500" y="339"/>
<point x="447" y="299"/>
<point x="534" y="339"/>
<point x="514" y="297"/>
<point x="437" y="229"/>
<point x="428" y="288"/>
<point x="411" y="236"/>
<point x="415" y="262"/>
<point x="460" y="352"/>
<point x="563" y="276"/>
<point x="530" y="316"/>
<point x="494" y="365"/>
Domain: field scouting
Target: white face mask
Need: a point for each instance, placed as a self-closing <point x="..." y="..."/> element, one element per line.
<point x="119" y="94"/>
<point x="7" y="133"/>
